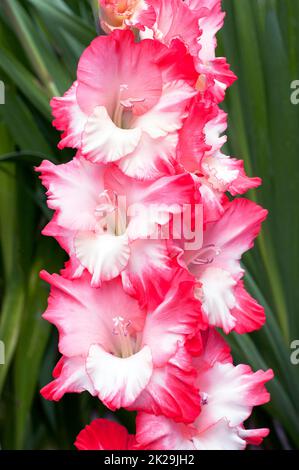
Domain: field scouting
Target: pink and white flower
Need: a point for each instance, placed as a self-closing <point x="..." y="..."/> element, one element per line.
<point x="215" y="74"/>
<point x="220" y="172"/>
<point x="137" y="303"/>
<point x="161" y="433"/>
<point x="128" y="356"/>
<point x="196" y="23"/>
<point x="199" y="152"/>
<point x="109" y="223"/>
<point x="228" y="394"/>
<point x="216" y="267"/>
<point x="128" y="104"/>
<point x="174" y="19"/>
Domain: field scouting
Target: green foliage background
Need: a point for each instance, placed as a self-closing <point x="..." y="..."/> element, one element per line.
<point x="40" y="42"/>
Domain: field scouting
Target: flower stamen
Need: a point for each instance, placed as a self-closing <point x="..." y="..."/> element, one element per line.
<point x="120" y="329"/>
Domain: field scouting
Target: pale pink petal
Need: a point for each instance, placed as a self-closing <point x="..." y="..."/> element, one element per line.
<point x="65" y="238"/>
<point x="144" y="15"/>
<point x="214" y="349"/>
<point x="176" y="20"/>
<point x="243" y="182"/>
<point x="84" y="315"/>
<point x="219" y="436"/>
<point x="73" y="191"/>
<point x="230" y="392"/>
<point x="69" y="118"/>
<point x="161" y="433"/>
<point x="156" y="151"/>
<point x="168" y="114"/>
<point x="234" y="233"/>
<point x="219" y="172"/>
<point x="105" y="256"/>
<point x="209" y="26"/>
<point x="116" y="64"/>
<point x="173" y="191"/>
<point x="158" y="201"/>
<point x="216" y="77"/>
<point x="152" y="158"/>
<point x="143" y="222"/>
<point x="227" y="174"/>
<point x="117" y="380"/>
<point x="213" y="202"/>
<point x="73" y="269"/>
<point x="103" y="141"/>
<point x="254" y="436"/>
<point x="70" y="377"/>
<point x="217" y="297"/>
<point x="214" y="129"/>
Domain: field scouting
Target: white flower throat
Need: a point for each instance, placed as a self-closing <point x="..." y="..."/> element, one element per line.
<point x="112" y="217"/>
<point x="127" y="339"/>
<point x="122" y="116"/>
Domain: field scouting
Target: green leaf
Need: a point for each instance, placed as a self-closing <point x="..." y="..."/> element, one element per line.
<point x="65" y="20"/>
<point x="25" y="81"/>
<point x="22" y="125"/>
<point x="33" y="338"/>
<point x="13" y="288"/>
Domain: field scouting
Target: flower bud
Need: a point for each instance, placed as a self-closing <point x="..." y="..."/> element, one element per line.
<point x="115" y="13"/>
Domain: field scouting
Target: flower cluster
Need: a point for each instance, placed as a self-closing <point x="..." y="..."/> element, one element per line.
<point x="145" y="213"/>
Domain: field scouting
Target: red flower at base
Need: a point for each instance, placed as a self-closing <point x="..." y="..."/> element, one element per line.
<point x="102" y="434"/>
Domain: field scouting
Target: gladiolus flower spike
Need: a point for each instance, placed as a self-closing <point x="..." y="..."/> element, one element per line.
<point x="154" y="241"/>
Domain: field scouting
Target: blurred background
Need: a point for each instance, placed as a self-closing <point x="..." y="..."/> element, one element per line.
<point x="40" y="43"/>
